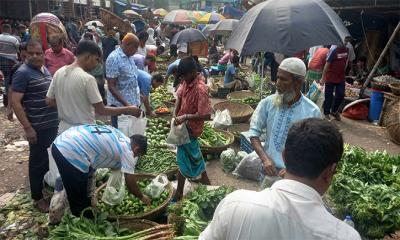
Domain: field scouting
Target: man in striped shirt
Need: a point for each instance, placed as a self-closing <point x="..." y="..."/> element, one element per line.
<point x="40" y="122"/>
<point x="80" y="150"/>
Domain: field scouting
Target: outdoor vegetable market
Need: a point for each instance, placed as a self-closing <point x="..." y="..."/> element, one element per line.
<point x="183" y="120"/>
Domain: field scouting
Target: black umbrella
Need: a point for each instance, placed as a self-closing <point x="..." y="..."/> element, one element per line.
<point x="207" y="29"/>
<point x="188" y="35"/>
<point x="225" y="27"/>
<point x="287" y="27"/>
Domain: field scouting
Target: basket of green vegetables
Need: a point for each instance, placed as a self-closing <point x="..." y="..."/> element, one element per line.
<point x="131" y="207"/>
<point x="215" y="141"/>
<point x="158" y="160"/>
<point x="246" y="97"/>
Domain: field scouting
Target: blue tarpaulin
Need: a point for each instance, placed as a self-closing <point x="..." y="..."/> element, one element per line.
<point x="234" y="12"/>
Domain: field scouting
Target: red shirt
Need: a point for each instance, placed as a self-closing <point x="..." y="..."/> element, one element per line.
<point x="337" y="57"/>
<point x="194" y="99"/>
<point x="55" y="61"/>
<point x="318" y="61"/>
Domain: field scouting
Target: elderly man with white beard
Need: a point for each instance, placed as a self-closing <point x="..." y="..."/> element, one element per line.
<point x="278" y="112"/>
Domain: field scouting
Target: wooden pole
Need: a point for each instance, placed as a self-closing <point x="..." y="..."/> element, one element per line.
<point x="396" y="30"/>
<point x="30" y="9"/>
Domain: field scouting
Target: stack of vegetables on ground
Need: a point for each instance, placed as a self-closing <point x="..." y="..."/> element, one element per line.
<point x="212" y="138"/>
<point x="267" y="85"/>
<point x="157" y="160"/>
<point x="20" y="220"/>
<point x="131" y="205"/>
<point x="367" y="186"/>
<point x="192" y="215"/>
<point x="157" y="131"/>
<point x="159" y="96"/>
<point x="75" y="228"/>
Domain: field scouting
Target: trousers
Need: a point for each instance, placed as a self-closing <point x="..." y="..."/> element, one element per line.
<point x="39" y="160"/>
<point x="332" y="103"/>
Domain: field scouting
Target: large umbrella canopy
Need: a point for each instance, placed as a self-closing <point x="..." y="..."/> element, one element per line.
<point x="98" y="23"/>
<point x="131" y="13"/>
<point x="177" y="17"/>
<point x="188" y="35"/>
<point x="225" y="27"/>
<point x="287" y="27"/>
<point x="196" y="15"/>
<point x="211" y="18"/>
<point x="160" y="12"/>
<point x="207" y="30"/>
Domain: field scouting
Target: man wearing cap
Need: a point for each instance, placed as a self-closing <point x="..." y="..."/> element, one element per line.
<point x="121" y="73"/>
<point x="182" y="52"/>
<point x="277" y="113"/>
<point x="292" y="208"/>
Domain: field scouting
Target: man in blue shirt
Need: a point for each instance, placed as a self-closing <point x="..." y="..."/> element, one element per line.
<point x="182" y="52"/>
<point x="277" y="113"/>
<point x="80" y="150"/>
<point x="231" y="80"/>
<point x="121" y="73"/>
<point x="146" y="83"/>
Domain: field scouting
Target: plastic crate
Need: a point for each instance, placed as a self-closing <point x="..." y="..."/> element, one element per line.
<point x="245" y="144"/>
<point x="223" y="92"/>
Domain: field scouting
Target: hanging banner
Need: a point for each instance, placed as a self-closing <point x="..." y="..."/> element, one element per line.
<point x="96" y="3"/>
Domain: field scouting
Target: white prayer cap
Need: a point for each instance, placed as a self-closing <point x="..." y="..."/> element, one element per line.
<point x="182" y="47"/>
<point x="293" y="65"/>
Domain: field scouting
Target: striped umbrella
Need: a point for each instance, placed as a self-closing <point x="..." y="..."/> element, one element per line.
<point x="211" y="18"/>
<point x="161" y="12"/>
<point x="130" y="13"/>
<point x="196" y="15"/>
<point x="177" y="17"/>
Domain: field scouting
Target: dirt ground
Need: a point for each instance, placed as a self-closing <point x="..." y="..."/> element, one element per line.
<point x="14" y="159"/>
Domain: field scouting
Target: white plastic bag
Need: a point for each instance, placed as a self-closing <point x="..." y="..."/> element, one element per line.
<point x="249" y="167"/>
<point x="228" y="160"/>
<point x="178" y="135"/>
<point x="157" y="186"/>
<point x="314" y="92"/>
<point x="58" y="203"/>
<point x="131" y="125"/>
<point x="222" y="119"/>
<point x="115" y="190"/>
<point x="51" y="176"/>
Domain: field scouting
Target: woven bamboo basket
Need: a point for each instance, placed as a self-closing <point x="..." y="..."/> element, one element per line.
<point x="391" y="114"/>
<point x="170" y="104"/>
<point x="243" y="95"/>
<point x="384" y="87"/>
<point x="395" y="87"/>
<point x="219" y="149"/>
<point x="240" y="112"/>
<point x="154" y="213"/>
<point x="237" y="128"/>
<point x="394" y="132"/>
<point x="138" y="225"/>
<point x="112" y="20"/>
